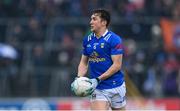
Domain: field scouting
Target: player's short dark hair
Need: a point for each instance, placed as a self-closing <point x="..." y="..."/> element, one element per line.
<point x="104" y="14"/>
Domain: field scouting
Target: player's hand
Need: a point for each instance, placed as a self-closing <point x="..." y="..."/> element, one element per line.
<point x="94" y="83"/>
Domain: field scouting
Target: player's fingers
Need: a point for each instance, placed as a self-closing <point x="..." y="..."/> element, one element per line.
<point x="89" y="81"/>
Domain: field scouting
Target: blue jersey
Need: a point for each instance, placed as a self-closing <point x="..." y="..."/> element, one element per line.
<point x="99" y="51"/>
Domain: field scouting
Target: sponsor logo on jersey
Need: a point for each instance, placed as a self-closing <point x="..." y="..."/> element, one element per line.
<point x="94" y="57"/>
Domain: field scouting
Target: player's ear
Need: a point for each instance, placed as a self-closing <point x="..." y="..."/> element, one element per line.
<point x="104" y="22"/>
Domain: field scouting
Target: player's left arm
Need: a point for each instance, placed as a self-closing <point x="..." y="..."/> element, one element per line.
<point x="116" y="66"/>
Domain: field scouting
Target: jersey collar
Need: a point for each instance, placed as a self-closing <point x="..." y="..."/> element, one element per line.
<point x="103" y="34"/>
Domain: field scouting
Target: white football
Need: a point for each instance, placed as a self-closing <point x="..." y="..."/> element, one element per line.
<point x="81" y="86"/>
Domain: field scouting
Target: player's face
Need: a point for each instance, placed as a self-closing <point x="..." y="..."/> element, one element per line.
<point x="95" y="23"/>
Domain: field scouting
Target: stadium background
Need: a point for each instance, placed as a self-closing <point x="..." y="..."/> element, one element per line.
<point x="40" y="43"/>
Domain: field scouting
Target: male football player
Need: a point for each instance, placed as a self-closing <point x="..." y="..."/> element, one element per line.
<point x="103" y="53"/>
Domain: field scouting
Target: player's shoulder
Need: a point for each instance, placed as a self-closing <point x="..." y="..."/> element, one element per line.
<point x="114" y="35"/>
<point x="89" y="36"/>
<point x="111" y="36"/>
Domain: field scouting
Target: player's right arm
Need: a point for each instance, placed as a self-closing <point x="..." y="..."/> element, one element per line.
<point x="82" y="69"/>
<point x="83" y="66"/>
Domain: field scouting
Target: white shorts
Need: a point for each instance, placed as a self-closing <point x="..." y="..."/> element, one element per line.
<point x="115" y="96"/>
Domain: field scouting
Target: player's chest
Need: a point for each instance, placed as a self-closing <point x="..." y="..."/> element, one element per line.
<point x="99" y="46"/>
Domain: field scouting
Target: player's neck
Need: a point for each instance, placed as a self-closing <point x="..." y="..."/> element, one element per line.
<point x="100" y="32"/>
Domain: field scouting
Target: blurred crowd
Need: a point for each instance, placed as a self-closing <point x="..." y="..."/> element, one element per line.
<point x="47" y="37"/>
<point x="44" y="9"/>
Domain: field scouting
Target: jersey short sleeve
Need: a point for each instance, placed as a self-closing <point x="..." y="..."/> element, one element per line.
<point x="116" y="45"/>
<point x="84" y="52"/>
